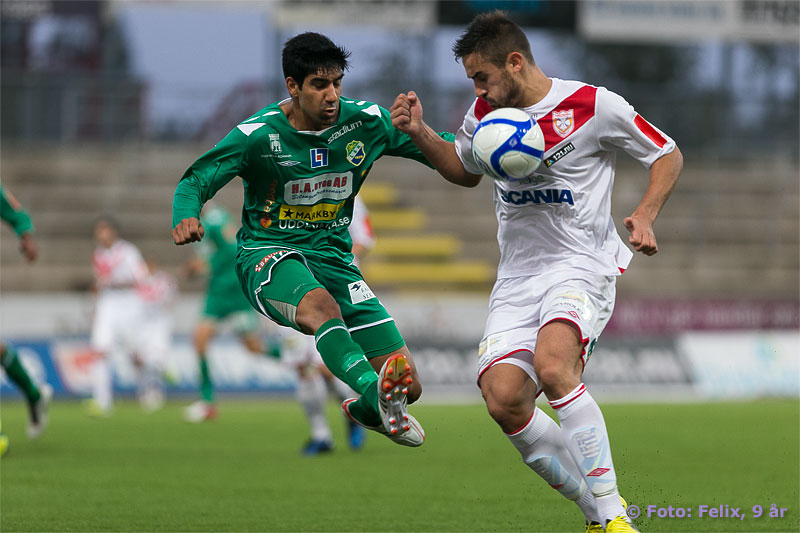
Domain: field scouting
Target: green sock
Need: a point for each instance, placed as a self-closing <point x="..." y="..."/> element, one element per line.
<point x="346" y="360"/>
<point x="16" y="373"/>
<point x="206" y="386"/>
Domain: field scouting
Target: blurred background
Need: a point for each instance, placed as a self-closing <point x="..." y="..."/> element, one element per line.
<point x="105" y="104"/>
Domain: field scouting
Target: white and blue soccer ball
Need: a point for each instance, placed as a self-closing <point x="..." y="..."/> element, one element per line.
<point x="508" y="144"/>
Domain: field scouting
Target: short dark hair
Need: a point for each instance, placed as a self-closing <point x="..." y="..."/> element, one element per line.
<point x="492" y="36"/>
<point x="108" y="220"/>
<point x="309" y="53"/>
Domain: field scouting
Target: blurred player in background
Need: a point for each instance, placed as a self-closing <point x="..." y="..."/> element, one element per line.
<point x="120" y="272"/>
<point x="224" y="302"/>
<point x="158" y="292"/>
<point x="302" y="161"/>
<point x="314" y="379"/>
<point x="37" y="397"/>
<point x="556" y="279"/>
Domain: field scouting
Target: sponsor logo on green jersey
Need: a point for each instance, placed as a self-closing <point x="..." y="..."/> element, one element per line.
<point x="310" y="213"/>
<point x="333" y="186"/>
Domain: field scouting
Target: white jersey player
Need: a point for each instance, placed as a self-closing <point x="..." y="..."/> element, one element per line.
<point x="560" y="254"/>
<point x="119" y="272"/>
<point x="158" y="293"/>
<point x="300" y="352"/>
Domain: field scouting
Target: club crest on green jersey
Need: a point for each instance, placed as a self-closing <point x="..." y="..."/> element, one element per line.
<point x="275" y="143"/>
<point x="355" y="152"/>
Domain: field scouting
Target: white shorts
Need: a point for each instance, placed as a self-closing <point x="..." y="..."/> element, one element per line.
<point x="520" y="307"/>
<point x="117" y="321"/>
<point x="156" y="339"/>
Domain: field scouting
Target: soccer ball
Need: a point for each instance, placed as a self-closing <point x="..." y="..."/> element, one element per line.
<point x="508" y="144"/>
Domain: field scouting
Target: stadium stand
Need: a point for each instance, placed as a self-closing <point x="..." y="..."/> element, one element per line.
<point x="718" y="236"/>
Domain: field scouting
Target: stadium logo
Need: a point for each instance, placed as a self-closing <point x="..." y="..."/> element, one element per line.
<point x="553" y="159"/>
<point x="344" y="129"/>
<point x="275" y="143"/>
<point x="563" y="122"/>
<point x="355" y="152"/>
<point x="319" y="157"/>
<point x="537" y="196"/>
<point x="333" y="187"/>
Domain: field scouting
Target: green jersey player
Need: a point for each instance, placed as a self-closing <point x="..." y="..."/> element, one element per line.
<point x="37" y="397"/>
<point x="224" y="302"/>
<point x="302" y="161"/>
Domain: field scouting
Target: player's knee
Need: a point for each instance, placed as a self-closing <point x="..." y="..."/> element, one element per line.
<point x="503" y="403"/>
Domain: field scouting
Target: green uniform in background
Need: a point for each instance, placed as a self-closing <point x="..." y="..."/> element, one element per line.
<point x="12" y="213"/>
<point x="224" y="296"/>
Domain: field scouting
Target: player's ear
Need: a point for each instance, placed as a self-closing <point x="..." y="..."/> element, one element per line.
<point x="515" y="61"/>
<point x="292" y="87"/>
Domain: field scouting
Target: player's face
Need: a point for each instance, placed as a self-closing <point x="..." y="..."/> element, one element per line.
<point x="494" y="84"/>
<point x="104" y="234"/>
<point x="318" y="99"/>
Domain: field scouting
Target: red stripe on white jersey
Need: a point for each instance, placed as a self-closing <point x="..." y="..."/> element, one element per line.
<point x="568" y="399"/>
<point x="581" y="103"/>
<point x="482" y="108"/>
<point x="650" y="131"/>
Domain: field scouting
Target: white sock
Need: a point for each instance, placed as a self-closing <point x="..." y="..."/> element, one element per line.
<point x="584" y="431"/>
<point x="312" y="394"/>
<point x="101" y="383"/>
<point x="543" y="450"/>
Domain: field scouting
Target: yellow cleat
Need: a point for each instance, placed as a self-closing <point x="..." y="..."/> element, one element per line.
<point x="620" y="525"/>
<point x="596" y="527"/>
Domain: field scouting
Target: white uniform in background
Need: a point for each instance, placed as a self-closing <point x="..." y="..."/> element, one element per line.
<point x="158" y="293"/>
<point x="119" y="271"/>
<point x="559" y="249"/>
<point x="300" y="352"/>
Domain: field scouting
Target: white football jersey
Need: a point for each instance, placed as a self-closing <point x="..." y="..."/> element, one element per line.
<point x="561" y="216"/>
<point x="120" y="266"/>
<point x="361" y="228"/>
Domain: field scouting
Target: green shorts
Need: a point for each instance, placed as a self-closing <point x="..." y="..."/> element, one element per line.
<point x="275" y="279"/>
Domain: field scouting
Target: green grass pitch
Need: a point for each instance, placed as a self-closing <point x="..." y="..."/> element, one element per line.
<point x="243" y="472"/>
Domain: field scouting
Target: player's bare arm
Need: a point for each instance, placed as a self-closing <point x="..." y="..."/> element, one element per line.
<point x="188" y="230"/>
<point x="663" y="175"/>
<point x="28" y="247"/>
<point x="406" y="113"/>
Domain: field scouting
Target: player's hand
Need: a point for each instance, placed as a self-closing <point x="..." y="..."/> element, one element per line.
<point x="189" y="230"/>
<point x="642" y="238"/>
<point x="28" y="247"/>
<point x="406" y="113"/>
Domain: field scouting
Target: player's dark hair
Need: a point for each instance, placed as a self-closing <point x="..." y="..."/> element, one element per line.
<point x="309" y="53"/>
<point x="108" y="220"/>
<point x="492" y="36"/>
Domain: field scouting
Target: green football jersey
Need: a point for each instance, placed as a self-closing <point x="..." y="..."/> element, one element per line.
<point x="219" y="247"/>
<point x="299" y="186"/>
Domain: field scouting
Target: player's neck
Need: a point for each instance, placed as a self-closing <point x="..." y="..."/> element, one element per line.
<point x="536" y="87"/>
<point x="299" y="120"/>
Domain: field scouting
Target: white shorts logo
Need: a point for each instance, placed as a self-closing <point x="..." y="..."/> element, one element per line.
<point x="359" y="292"/>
